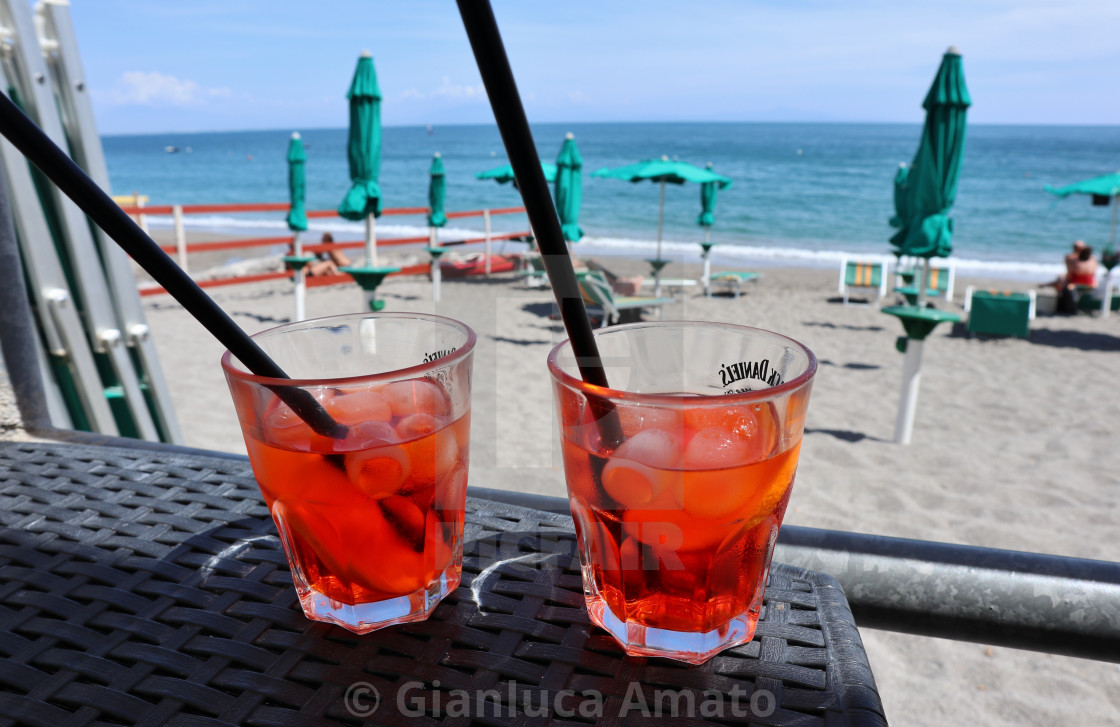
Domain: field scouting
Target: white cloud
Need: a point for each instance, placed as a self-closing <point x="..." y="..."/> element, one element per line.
<point x="448" y="90"/>
<point x="152" y="88"/>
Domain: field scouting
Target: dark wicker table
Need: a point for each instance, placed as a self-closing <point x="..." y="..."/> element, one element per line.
<point x="140" y="587"/>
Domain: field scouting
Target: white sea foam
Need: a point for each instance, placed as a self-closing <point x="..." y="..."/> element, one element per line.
<point x="769" y="252"/>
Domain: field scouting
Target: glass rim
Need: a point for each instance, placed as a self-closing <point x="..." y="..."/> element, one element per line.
<point x="460" y="353"/>
<point x="582" y="386"/>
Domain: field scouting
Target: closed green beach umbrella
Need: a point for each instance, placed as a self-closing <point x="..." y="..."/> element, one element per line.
<point x="363" y="150"/>
<point x="437" y="193"/>
<point x="923" y="195"/>
<point x="900" y="203"/>
<point x="297" y="184"/>
<point x="504" y="174"/>
<point x="569" y="188"/>
<point x="707" y="206"/>
<point x="931" y="183"/>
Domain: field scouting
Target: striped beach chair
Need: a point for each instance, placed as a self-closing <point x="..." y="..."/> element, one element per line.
<point x="868" y="274"/>
<point x="939" y="282"/>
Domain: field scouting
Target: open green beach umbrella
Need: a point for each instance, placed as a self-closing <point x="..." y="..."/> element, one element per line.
<point x="1102" y="188"/>
<point x="931" y="182"/>
<point x="569" y="188"/>
<point x="663" y="171"/>
<point x="437" y="193"/>
<point x="707" y="206"/>
<point x="504" y="174"/>
<point x="297" y="184"/>
<point x="363" y="149"/>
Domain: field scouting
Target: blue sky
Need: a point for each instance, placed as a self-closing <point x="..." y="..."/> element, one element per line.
<point x="250" y="64"/>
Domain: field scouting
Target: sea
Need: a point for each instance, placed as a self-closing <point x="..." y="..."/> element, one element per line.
<point x="802" y="193"/>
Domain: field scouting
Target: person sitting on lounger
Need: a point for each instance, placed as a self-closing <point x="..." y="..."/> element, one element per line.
<point x="619" y="284"/>
<point x="329" y="260"/>
<point x="1081" y="268"/>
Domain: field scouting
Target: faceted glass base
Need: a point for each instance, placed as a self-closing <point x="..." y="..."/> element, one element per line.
<point x="361" y="618"/>
<point x="689" y="647"/>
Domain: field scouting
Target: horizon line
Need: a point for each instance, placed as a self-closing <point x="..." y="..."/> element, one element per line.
<point x="289" y="130"/>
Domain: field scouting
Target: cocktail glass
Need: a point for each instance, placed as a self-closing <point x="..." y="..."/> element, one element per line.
<point x="372" y="523"/>
<point x="679" y="475"/>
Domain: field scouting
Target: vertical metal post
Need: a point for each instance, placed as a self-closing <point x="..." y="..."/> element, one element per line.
<point x="141" y="219"/>
<point x="908" y="400"/>
<point x="180" y="236"/>
<point x="486" y="237"/>
<point x="923" y="282"/>
<point x="437" y="271"/>
<point x="371" y="241"/>
<point x="297" y="278"/>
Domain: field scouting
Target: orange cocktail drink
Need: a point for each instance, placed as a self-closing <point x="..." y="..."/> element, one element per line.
<point x="678" y="478"/>
<point x="372" y="518"/>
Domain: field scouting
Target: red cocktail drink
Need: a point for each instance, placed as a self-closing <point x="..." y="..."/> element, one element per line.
<point x="678" y="497"/>
<point x="371" y="522"/>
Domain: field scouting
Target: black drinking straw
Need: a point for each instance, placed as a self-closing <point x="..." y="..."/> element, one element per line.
<point x="497" y="76"/>
<point x="75" y="184"/>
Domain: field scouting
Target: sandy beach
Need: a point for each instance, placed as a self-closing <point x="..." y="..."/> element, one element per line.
<point x="1014" y="446"/>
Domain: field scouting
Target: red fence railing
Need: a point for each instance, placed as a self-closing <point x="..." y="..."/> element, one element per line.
<point x="182" y="248"/>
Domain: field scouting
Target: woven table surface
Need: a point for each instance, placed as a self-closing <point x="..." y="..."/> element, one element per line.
<point x="140" y="587"/>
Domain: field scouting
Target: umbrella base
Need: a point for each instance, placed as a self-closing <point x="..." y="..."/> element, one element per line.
<point x="368" y="279"/>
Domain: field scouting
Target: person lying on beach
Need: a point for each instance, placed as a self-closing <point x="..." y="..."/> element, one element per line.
<point x="619" y="284"/>
<point x="329" y="260"/>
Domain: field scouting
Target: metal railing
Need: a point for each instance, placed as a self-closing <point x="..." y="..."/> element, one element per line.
<point x="182" y="248"/>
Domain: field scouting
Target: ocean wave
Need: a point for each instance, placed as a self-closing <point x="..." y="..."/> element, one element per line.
<point x="771" y="252"/>
<point x="223" y="225"/>
<point x="776" y="254"/>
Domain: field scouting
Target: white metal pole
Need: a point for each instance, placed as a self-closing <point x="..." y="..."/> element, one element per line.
<point x="1115" y="210"/>
<point x="371" y="241"/>
<point x="707" y="262"/>
<point x="923" y="280"/>
<point x="301" y="288"/>
<point x="486" y="237"/>
<point x="660" y="222"/>
<point x="180" y="235"/>
<point x="908" y="401"/>
<point x="141" y="219"/>
<point x="437" y="273"/>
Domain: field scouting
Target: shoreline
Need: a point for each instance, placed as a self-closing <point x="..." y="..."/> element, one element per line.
<point x="763" y="254"/>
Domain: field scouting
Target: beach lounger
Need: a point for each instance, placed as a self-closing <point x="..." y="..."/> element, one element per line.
<point x="869" y="274"/>
<point x="597" y="291"/>
<point x="939" y="283"/>
<point x="534" y="273"/>
<point x="732" y="280"/>
<point x="999" y="313"/>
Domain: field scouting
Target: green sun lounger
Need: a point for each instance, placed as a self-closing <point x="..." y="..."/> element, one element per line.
<point x="597" y="291"/>
<point x="732" y="280"/>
